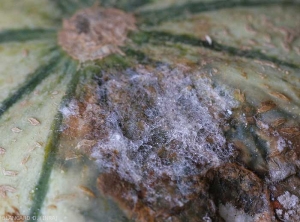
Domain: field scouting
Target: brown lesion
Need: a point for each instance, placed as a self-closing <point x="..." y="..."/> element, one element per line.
<point x="94" y="33"/>
<point x="14" y="215"/>
<point x="134" y="200"/>
<point x="245" y="190"/>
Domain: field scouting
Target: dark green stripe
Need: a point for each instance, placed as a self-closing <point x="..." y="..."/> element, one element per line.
<point x="69" y="7"/>
<point x="52" y="145"/>
<point x="139" y="56"/>
<point x="30" y="83"/>
<point x="21" y="35"/>
<point x="129" y="5"/>
<point x="120" y="62"/>
<point x="178" y="11"/>
<point x="156" y="37"/>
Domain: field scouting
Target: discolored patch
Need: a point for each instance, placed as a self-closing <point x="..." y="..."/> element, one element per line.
<point x="95" y="33"/>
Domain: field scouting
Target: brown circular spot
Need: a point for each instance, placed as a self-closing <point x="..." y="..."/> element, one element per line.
<point x="95" y="33"/>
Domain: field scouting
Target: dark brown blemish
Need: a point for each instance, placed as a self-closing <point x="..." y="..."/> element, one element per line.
<point x="82" y="25"/>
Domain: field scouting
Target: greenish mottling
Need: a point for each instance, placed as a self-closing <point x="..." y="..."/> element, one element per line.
<point x="156" y="37"/>
<point x="52" y="144"/>
<point x="31" y="82"/>
<point x="21" y="35"/>
<point x="177" y="11"/>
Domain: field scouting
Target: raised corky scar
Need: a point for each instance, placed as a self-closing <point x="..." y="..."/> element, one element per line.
<point x="95" y="33"/>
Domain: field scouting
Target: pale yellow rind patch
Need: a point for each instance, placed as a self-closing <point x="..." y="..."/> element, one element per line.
<point x="257" y="28"/>
<point x="27" y="14"/>
<point x="12" y="75"/>
<point x="22" y="151"/>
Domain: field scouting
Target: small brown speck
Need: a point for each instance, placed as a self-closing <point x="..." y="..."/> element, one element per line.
<point x="62" y="197"/>
<point x="270" y="64"/>
<point x="266" y="106"/>
<point x="16" y="130"/>
<point x="280" y="96"/>
<point x="52" y="207"/>
<point x="33" y="121"/>
<point x="37" y="144"/>
<point x="11" y="173"/>
<point x="31" y="149"/>
<point x="261" y="125"/>
<point x="250" y="120"/>
<point x="2" y="151"/>
<point x="290" y="130"/>
<point x="73" y="157"/>
<point x="87" y="191"/>
<point x="239" y="95"/>
<point x="262" y="76"/>
<point x="278" y="122"/>
<point x="25" y="159"/>
<point x="215" y="70"/>
<point x="6" y="188"/>
<point x="245" y="75"/>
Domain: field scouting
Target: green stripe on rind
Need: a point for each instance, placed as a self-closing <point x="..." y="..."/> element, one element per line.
<point x="69" y="7"/>
<point x="129" y="5"/>
<point x="139" y="56"/>
<point x="157" y="16"/>
<point x="31" y="82"/>
<point x="156" y="37"/>
<point x="22" y="35"/>
<point x="52" y="146"/>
